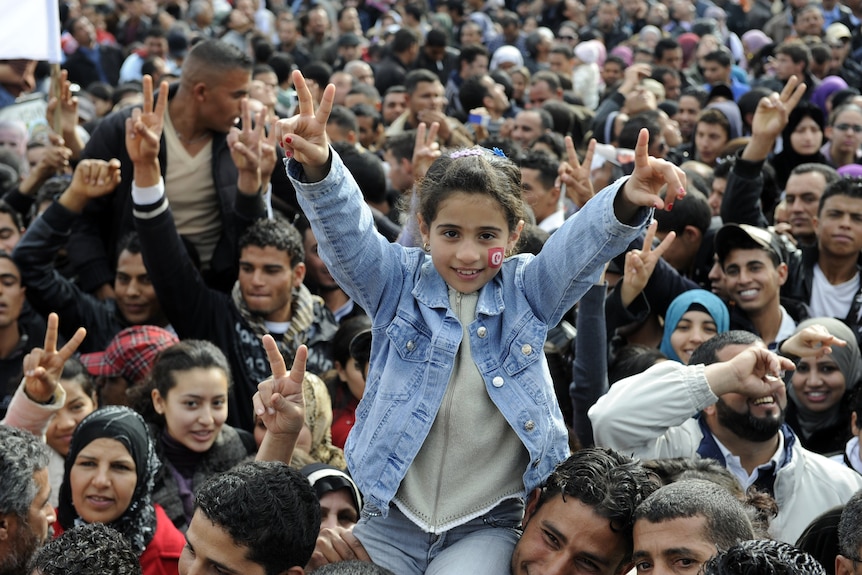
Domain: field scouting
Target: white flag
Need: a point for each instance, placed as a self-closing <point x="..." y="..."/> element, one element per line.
<point x="30" y="30"/>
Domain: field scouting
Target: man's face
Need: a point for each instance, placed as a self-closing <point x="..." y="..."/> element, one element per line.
<point x="26" y="534"/>
<point x="607" y="16"/>
<point x="542" y="200"/>
<point x="287" y="32"/>
<point x="633" y="8"/>
<point x="211" y="549"/>
<point x="12" y="293"/>
<point x="156" y="46"/>
<point x="318" y="23"/>
<point x="367" y="133"/>
<point x="709" y="141"/>
<point x="752" y="280"/>
<point x="672" y="86"/>
<point x="714" y="73"/>
<point x="843" y="132"/>
<point x="716" y="195"/>
<point x="802" y="195"/>
<point x="317" y="275"/>
<point x="266" y="281"/>
<point x="135" y="295"/>
<point x="477" y="67"/>
<point x="14" y="140"/>
<point x="672" y="59"/>
<point x="559" y="64"/>
<point x="686" y="117"/>
<point x="540" y="93"/>
<point x="221" y="102"/>
<point x="839" y="227"/>
<point x="785" y="67"/>
<point x="528" y="127"/>
<point x="471" y="34"/>
<point x="393" y="106"/>
<point x="753" y="419"/>
<point x="264" y="89"/>
<point x="10" y="233"/>
<point x="671" y="547"/>
<point x="809" y="23"/>
<point x="399" y="175"/>
<point x="427" y="96"/>
<point x="497" y="93"/>
<point x="84" y="32"/>
<point x="567" y="537"/>
<point x="435" y="53"/>
<point x="611" y="73"/>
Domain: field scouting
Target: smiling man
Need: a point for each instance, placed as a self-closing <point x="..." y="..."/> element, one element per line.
<point x="732" y="387"/>
<point x="580" y="520"/>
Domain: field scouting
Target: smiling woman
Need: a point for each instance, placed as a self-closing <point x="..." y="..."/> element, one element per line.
<point x="820" y="390"/>
<point x="109" y="476"/>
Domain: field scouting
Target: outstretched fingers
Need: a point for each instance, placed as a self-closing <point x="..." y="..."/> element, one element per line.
<point x="51" y="332"/>
<point x="326" y="103"/>
<point x="303" y="94"/>
<point x="276" y="360"/>
<point x="642" y="149"/>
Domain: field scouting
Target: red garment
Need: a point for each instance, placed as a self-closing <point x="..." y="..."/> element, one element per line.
<point x="342" y="422"/>
<point x="162" y="555"/>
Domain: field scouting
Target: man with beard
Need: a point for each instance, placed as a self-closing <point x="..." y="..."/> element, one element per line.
<point x="25" y="514"/>
<point x="732" y="387"/>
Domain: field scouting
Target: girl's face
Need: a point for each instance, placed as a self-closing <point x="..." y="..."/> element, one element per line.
<point x="694" y="328"/>
<point x="78" y="406"/>
<point x="467" y="239"/>
<point x="195" y="408"/>
<point x="353" y="375"/>
<point x="103" y="480"/>
<point x="807" y="138"/>
<point x="818" y="383"/>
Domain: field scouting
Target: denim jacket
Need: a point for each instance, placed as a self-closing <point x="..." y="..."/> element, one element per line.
<point x="416" y="335"/>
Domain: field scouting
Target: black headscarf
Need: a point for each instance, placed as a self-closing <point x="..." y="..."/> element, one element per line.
<point x="138" y="523"/>
<point x="789" y="158"/>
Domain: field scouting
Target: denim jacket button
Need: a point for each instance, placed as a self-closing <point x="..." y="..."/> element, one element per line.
<point x="497" y="381"/>
<point x="410" y="345"/>
<point x="526" y="349"/>
<point x="529" y="425"/>
<point x="482" y="331"/>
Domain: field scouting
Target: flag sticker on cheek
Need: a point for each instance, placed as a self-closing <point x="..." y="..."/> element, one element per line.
<point x="495" y="257"/>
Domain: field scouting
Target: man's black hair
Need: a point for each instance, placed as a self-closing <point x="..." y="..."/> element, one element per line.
<point x="276" y="233"/>
<point x="707" y="352"/>
<point x="84" y="550"/>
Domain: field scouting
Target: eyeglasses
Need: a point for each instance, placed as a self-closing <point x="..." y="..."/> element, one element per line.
<point x="845" y="127"/>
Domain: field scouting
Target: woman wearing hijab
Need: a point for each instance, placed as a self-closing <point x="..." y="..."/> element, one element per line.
<point x="820" y="388"/>
<point x="109" y="476"/>
<point x="802" y="138"/>
<point x="692" y="318"/>
<point x="340" y="500"/>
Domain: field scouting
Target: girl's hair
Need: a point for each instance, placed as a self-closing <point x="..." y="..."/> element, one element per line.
<point x="473" y="171"/>
<point x="74" y="371"/>
<point x="183" y="356"/>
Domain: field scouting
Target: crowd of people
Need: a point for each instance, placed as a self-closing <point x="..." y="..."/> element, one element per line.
<point x="564" y="286"/>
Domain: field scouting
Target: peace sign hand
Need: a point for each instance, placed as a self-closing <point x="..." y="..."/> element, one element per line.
<point x="648" y="179"/>
<point x="640" y="264"/>
<point x="144" y="127"/>
<point x="576" y="176"/>
<point x="245" y="149"/>
<point x="425" y="150"/>
<point x="43" y="366"/>
<point x="773" y="111"/>
<point x="279" y="402"/>
<point x="304" y="136"/>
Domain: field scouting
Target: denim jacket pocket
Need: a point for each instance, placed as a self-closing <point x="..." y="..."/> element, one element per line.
<point x="410" y="341"/>
<point x="525" y="350"/>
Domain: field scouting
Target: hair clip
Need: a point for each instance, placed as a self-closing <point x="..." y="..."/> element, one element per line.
<point x="499" y="152"/>
<point x="466" y="152"/>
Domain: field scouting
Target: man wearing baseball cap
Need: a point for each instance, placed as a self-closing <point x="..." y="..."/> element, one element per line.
<point x="754" y="269"/>
<point x="127" y="361"/>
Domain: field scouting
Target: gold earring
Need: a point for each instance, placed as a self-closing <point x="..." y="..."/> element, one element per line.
<point x="426" y="246"/>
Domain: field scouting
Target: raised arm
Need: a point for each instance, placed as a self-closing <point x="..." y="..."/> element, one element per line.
<point x="279" y="403"/>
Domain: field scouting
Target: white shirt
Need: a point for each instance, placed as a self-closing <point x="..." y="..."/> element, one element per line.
<point x="828" y="300"/>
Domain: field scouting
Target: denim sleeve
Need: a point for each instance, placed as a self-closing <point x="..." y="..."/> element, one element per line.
<point x="573" y="257"/>
<point x="363" y="262"/>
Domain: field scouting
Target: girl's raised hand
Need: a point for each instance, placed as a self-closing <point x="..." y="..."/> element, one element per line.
<point x="648" y="179"/>
<point x="303" y="136"/>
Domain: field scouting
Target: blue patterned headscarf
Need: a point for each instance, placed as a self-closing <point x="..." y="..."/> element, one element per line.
<point x="681" y="304"/>
<point x="138" y="523"/>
